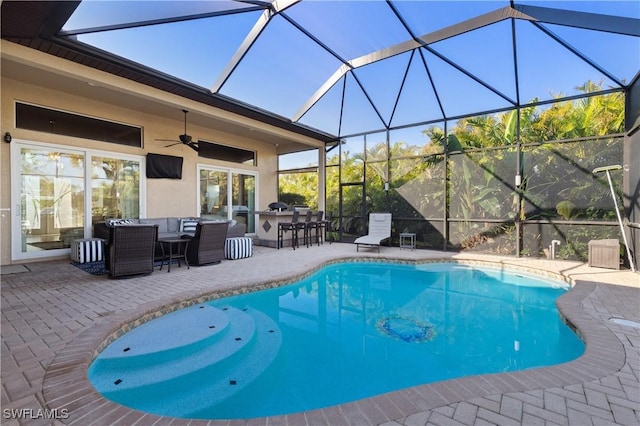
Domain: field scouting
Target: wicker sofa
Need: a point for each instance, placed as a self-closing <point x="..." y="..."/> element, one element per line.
<point x="165" y="228"/>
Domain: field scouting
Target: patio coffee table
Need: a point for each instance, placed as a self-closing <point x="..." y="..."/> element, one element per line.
<point x="180" y="245"/>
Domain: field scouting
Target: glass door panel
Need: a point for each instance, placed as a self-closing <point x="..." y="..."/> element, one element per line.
<point x="227" y="194"/>
<point x="243" y="189"/>
<point x="115" y="188"/>
<point x="51" y="199"/>
<point x="213" y="194"/>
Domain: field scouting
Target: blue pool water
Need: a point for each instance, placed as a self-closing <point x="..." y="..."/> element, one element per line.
<point x="349" y="331"/>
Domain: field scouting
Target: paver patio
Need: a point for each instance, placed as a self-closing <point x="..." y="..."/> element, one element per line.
<point x="54" y="315"/>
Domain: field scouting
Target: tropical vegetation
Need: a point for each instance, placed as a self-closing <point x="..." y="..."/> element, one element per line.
<point x="458" y="189"/>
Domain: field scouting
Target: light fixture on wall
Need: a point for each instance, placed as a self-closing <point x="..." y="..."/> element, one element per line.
<point x="7" y="137"/>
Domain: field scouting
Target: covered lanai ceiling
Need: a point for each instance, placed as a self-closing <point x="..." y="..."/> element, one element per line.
<point x="338" y="68"/>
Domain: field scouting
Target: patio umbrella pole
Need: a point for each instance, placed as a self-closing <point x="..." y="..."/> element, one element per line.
<point x="607" y="169"/>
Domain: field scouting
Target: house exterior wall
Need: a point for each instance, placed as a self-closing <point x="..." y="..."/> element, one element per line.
<point x="163" y="197"/>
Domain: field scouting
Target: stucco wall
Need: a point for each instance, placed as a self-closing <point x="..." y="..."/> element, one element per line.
<point x="164" y="197"/>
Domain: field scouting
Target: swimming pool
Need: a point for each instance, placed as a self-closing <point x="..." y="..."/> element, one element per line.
<point x="346" y="332"/>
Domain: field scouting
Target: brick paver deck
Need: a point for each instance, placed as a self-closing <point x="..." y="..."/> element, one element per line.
<point x="55" y="316"/>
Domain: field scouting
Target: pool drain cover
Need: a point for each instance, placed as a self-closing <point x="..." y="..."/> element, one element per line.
<point x="406" y="329"/>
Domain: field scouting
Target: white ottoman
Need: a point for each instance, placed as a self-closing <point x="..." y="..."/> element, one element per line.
<point x="87" y="250"/>
<point x="238" y="248"/>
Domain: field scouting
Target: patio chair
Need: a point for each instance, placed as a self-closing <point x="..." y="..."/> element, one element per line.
<point x="206" y="246"/>
<point x="289" y="227"/>
<point x="131" y="250"/>
<point x="325" y="227"/>
<point x="320" y="225"/>
<point x="379" y="230"/>
<point x="236" y="229"/>
<point x="306" y="227"/>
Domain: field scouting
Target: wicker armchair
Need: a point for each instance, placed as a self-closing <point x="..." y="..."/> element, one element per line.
<point x="131" y="250"/>
<point x="207" y="244"/>
<point x="236" y="230"/>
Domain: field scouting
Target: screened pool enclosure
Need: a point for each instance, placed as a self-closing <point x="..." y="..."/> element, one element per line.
<point x="476" y="124"/>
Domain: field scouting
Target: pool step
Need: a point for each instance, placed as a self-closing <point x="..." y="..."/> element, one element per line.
<point x="119" y="371"/>
<point x="173" y="335"/>
<point x="217" y="385"/>
<point x="242" y="352"/>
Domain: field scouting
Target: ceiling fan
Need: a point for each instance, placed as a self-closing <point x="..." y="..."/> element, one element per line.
<point x="185" y="138"/>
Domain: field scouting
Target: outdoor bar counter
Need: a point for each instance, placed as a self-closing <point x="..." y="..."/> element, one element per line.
<point x="267" y="229"/>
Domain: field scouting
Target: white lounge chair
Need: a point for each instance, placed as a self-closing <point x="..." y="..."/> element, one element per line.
<point x="379" y="230"/>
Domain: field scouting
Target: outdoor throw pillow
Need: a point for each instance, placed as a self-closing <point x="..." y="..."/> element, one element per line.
<point x="119" y="222"/>
<point x="188" y="225"/>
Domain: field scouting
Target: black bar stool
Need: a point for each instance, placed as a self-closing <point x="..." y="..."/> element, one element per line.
<point x="318" y="225"/>
<point x="306" y="226"/>
<point x="292" y="226"/>
<point x="324" y="226"/>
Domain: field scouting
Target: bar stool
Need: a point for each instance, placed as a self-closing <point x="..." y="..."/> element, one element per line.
<point x="306" y="226"/>
<point x="292" y="226"/>
<point x="320" y="225"/>
<point x="325" y="225"/>
<point x="315" y="225"/>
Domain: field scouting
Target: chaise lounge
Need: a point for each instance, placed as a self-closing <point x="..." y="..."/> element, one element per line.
<point x="379" y="231"/>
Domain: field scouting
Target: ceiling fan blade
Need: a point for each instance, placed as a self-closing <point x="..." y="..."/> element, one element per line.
<point x="194" y="146"/>
<point x="175" y="143"/>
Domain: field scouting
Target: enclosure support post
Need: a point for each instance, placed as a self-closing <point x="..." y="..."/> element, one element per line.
<point x="606" y="169"/>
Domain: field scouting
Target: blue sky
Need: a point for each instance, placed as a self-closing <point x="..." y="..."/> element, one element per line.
<point x="284" y="67"/>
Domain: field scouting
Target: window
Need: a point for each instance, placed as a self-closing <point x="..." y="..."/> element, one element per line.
<point x="226" y="153"/>
<point x="47" y="120"/>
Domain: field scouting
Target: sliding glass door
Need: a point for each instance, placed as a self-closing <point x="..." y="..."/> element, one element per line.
<point x="228" y="194"/>
<point x="115" y="188"/>
<point x="53" y="189"/>
<point x="51" y="206"/>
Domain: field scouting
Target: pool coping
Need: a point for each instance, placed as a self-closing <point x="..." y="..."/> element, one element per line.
<point x="66" y="385"/>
